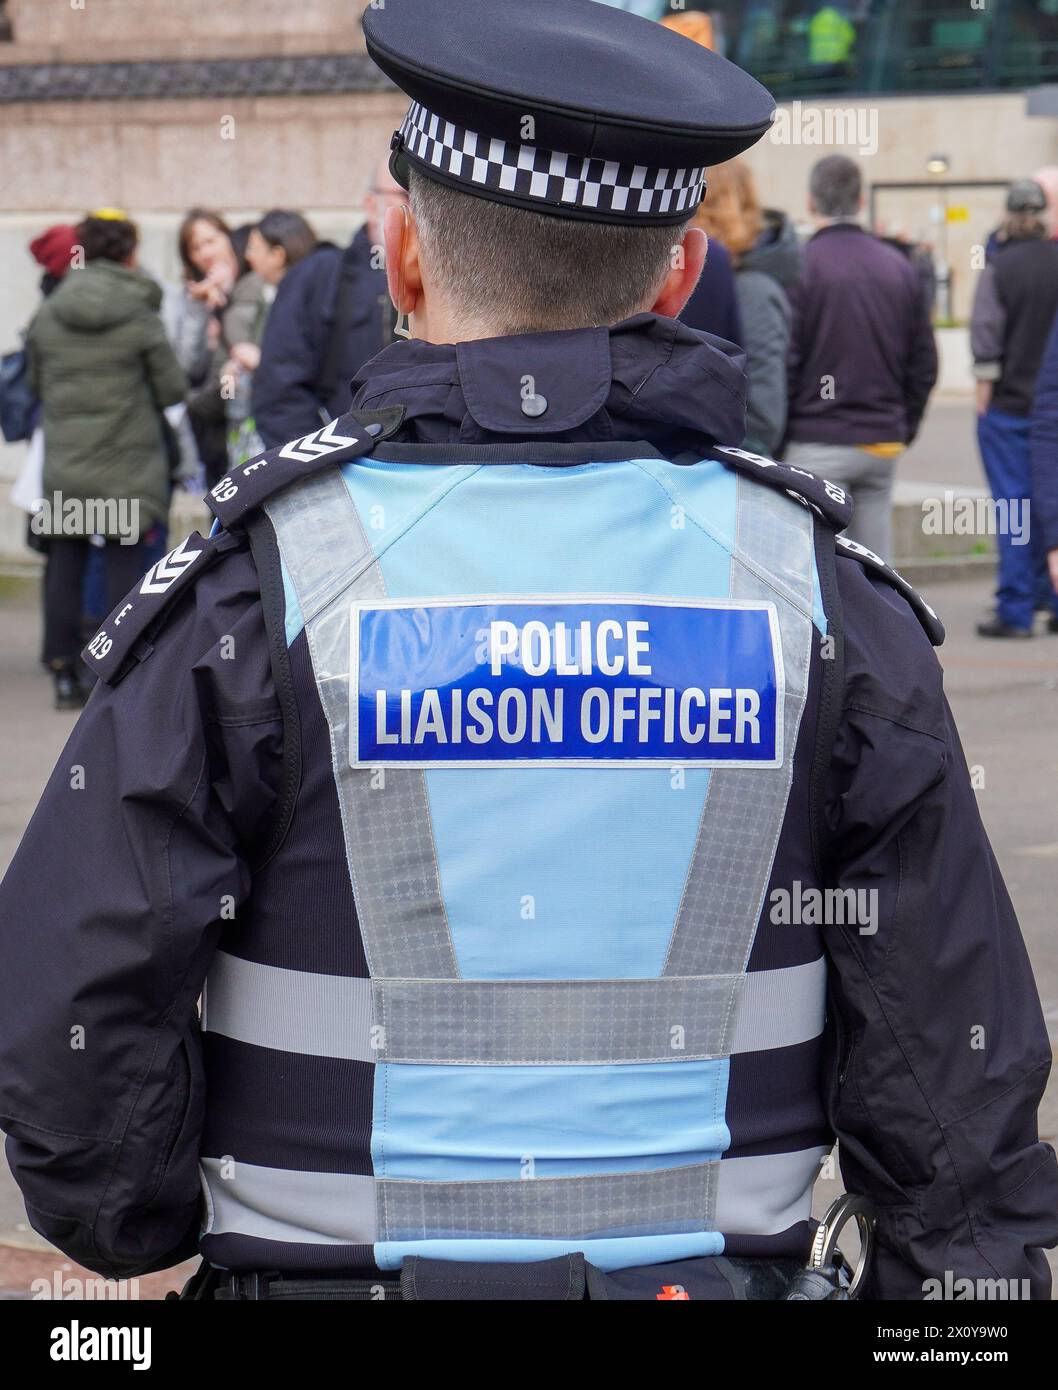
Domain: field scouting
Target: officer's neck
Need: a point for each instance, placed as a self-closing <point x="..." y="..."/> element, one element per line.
<point x="438" y="321"/>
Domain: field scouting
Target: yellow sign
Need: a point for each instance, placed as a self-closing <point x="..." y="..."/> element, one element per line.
<point x="958" y="212"/>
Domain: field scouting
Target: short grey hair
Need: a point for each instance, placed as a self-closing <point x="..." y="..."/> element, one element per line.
<point x="836" y="186"/>
<point x="508" y="270"/>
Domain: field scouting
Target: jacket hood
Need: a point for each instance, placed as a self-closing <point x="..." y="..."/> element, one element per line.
<point x="646" y="378"/>
<point x="102" y="295"/>
<point x="777" y="252"/>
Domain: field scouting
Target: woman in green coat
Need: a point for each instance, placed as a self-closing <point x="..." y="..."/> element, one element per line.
<point x="104" y="371"/>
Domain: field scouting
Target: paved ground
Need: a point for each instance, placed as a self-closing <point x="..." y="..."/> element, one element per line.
<point x="1005" y="698"/>
<point x="946" y="447"/>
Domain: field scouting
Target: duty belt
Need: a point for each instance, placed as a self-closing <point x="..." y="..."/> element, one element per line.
<point x="827" y="1276"/>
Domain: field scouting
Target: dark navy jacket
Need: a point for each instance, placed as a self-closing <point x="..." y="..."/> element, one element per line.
<point x="160" y="820"/>
<point x="289" y="388"/>
<point x="1045" y="445"/>
<point x="860" y="319"/>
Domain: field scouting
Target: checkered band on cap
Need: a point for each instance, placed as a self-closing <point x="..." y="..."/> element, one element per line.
<point x="523" y="171"/>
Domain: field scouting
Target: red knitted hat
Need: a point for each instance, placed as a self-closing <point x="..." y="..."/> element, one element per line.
<point x="53" y="249"/>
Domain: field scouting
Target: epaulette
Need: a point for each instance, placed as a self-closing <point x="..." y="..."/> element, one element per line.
<point x="125" y="637"/>
<point x="869" y="560"/>
<point x="350" y="436"/>
<point x="828" y="500"/>
<point x="832" y="503"/>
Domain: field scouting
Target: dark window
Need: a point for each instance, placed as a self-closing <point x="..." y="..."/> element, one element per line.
<point x="816" y="48"/>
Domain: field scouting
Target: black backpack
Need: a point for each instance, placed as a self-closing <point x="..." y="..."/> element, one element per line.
<point x="18" y="404"/>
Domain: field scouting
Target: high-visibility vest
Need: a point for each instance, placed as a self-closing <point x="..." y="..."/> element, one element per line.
<point x="520" y="979"/>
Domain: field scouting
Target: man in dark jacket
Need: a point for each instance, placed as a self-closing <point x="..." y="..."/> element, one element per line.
<point x="1014" y="307"/>
<point x="1044" y="445"/>
<point x="862" y="356"/>
<point x="331" y="314"/>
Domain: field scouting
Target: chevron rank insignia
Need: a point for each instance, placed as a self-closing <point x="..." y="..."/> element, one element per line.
<point x="124" y="638"/>
<point x="169" y="568"/>
<point x="244" y="489"/>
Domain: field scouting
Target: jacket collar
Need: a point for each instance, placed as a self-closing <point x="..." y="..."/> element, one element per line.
<point x="645" y="378"/>
<point x="840" y="224"/>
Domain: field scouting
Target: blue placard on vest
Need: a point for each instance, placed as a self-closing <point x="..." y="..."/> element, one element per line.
<point x="565" y="681"/>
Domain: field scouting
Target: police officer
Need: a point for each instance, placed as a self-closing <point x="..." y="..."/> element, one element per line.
<point x="566" y="833"/>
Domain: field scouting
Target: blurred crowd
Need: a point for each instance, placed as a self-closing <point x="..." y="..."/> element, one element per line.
<point x="129" y="388"/>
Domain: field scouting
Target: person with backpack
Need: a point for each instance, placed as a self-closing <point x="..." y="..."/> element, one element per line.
<point x="19" y="407"/>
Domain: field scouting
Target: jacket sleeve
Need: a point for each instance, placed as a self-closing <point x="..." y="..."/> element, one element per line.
<point x="921" y="376"/>
<point x="164" y="373"/>
<point x="285" y="403"/>
<point x="940" y="1051"/>
<point x="988" y="321"/>
<point x="187" y="328"/>
<point x="766" y="322"/>
<point x="108" y="918"/>
<point x="1045" y="445"/>
<point x="205" y="402"/>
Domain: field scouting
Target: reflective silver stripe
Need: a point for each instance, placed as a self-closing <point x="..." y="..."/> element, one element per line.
<point x="679" y="1018"/>
<point x="750" y="1196"/>
<point x="599" y="1204"/>
<point x="781" y="1008"/>
<point x="285" y="1204"/>
<point x="744" y="808"/>
<point x="508" y="1022"/>
<point x="766" y="1193"/>
<point x="322" y="541"/>
<point x="511" y="1022"/>
<point x="388" y="832"/>
<point x="288" y="1010"/>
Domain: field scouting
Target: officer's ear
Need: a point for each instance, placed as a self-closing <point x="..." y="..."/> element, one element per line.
<point x="403" y="271"/>
<point x="688" y="258"/>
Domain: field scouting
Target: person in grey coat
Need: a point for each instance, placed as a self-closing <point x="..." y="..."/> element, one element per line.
<point x="767" y="258"/>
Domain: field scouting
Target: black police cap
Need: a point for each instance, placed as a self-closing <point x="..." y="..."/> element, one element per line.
<point x="568" y="107"/>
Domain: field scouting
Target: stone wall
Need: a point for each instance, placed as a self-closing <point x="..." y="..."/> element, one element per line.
<point x="246" y="152"/>
<point x="110" y="30"/>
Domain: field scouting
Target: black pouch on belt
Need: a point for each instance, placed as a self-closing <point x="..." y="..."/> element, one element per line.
<point x="709" y="1278"/>
<point x="557" y="1281"/>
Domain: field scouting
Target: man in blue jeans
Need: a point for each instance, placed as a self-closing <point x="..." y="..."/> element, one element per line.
<point x="1014" y="306"/>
